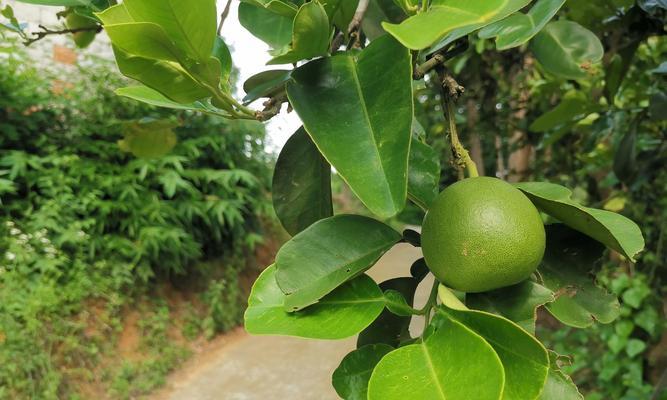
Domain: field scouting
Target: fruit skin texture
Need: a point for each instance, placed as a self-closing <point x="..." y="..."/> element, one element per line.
<point x="482" y="234"/>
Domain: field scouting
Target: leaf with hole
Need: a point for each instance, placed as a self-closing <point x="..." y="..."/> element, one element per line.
<point x="567" y="49"/>
<point x="559" y="386"/>
<point x="358" y="111"/>
<point x="329" y="253"/>
<point x="351" y="377"/>
<point x="519" y="28"/>
<point x="567" y="269"/>
<point x="611" y="229"/>
<point x="301" y="184"/>
<point x="343" y="313"/>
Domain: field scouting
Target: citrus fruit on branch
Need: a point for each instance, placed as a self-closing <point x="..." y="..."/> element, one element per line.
<point x="482" y="234"/>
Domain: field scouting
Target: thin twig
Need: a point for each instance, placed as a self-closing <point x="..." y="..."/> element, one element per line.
<point x="271" y="107"/>
<point x="430" y="303"/>
<point x="223" y="16"/>
<point x="46" y="32"/>
<point x="440" y="57"/>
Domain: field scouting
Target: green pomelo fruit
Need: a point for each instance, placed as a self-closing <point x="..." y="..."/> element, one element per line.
<point x="482" y="234"/>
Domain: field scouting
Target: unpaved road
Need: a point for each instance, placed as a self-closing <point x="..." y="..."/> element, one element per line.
<point x="243" y="367"/>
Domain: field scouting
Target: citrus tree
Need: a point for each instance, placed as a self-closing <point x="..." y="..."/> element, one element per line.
<point x="498" y="251"/>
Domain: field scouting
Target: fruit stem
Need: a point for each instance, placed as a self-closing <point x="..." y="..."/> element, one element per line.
<point x="430" y="303"/>
<point x="450" y="92"/>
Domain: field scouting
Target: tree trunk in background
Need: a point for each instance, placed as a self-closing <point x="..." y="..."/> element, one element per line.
<point x="522" y="152"/>
<point x="474" y="139"/>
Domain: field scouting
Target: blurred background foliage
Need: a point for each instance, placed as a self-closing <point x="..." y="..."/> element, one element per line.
<point x="97" y="244"/>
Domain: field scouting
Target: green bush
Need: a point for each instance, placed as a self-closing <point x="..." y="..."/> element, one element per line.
<point x="82" y="220"/>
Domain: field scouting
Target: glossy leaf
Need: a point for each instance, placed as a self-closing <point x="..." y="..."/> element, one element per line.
<point x="191" y="25"/>
<point x="524" y="359"/>
<point x="613" y="230"/>
<point x="397" y="304"/>
<point x="519" y="28"/>
<point x="153" y="97"/>
<point x="351" y="377"/>
<point x="144" y="39"/>
<point x="301" y="184"/>
<point x="222" y="54"/>
<point x="453" y="363"/>
<point x="567" y="49"/>
<point x="167" y="78"/>
<point x="328" y="253"/>
<point x="559" y="386"/>
<point x="343" y="313"/>
<point x="117" y="14"/>
<point x="310" y="35"/>
<point x="517" y="303"/>
<point x="265" y="84"/>
<point x="389" y="328"/>
<point x="372" y="95"/>
<point x="148" y="138"/>
<point x="570" y="109"/>
<point x="273" y="29"/>
<point x="423" y="174"/>
<point x="454" y="18"/>
<point x="340" y="12"/>
<point x="567" y="268"/>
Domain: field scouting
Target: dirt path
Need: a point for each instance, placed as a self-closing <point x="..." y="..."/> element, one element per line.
<point x="238" y="366"/>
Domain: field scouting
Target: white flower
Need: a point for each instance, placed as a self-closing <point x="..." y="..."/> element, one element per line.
<point x="23" y="237"/>
<point x="10" y="256"/>
<point x="9" y="224"/>
<point x="14" y="231"/>
<point x="45" y="240"/>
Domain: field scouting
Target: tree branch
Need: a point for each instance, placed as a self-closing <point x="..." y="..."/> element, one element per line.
<point x="223" y="16"/>
<point x="450" y="92"/>
<point x="47" y="32"/>
<point x="440" y="57"/>
<point x="352" y="29"/>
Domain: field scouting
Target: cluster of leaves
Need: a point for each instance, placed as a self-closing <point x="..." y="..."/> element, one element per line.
<point x="82" y="221"/>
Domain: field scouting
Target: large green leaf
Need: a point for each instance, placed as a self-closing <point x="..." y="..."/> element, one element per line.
<point x="517" y="303"/>
<point x="274" y="29"/>
<point x="567" y="49"/>
<point x="453" y="363"/>
<point x="165" y="77"/>
<point x="301" y="184"/>
<point x="447" y="17"/>
<point x="524" y="359"/>
<point x="389" y="328"/>
<point x="60" y="3"/>
<point x="113" y="15"/>
<point x="153" y="97"/>
<point x="519" y="28"/>
<point x="351" y="377"/>
<point x="559" y="386"/>
<point x="224" y="56"/>
<point x="148" y="138"/>
<point x="328" y="253"/>
<point x="358" y="110"/>
<point x="343" y="313"/>
<point x="567" y="269"/>
<point x="144" y="39"/>
<point x="423" y="174"/>
<point x="614" y="230"/>
<point x="191" y="25"/>
<point x="311" y="34"/>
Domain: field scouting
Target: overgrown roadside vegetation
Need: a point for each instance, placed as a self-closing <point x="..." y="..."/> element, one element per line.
<point x="113" y="266"/>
